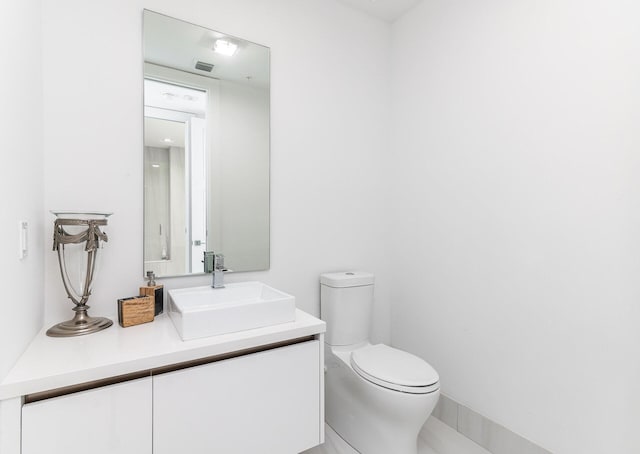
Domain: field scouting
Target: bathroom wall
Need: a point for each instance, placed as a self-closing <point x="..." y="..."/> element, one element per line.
<point x="329" y="97"/>
<point x="516" y="171"/>
<point x="20" y="176"/>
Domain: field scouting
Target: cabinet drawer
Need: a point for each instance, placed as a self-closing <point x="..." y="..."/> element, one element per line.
<point x="266" y="402"/>
<point x="113" y="419"/>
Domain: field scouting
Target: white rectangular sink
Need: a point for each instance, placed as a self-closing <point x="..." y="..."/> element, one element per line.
<point x="205" y="311"/>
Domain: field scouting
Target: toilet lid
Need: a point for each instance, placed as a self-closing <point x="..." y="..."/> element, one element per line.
<point x="394" y="369"/>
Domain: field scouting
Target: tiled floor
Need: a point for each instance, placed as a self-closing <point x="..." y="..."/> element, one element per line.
<point x="435" y="438"/>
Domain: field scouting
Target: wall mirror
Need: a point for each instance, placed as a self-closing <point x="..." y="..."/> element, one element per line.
<point x="206" y="148"/>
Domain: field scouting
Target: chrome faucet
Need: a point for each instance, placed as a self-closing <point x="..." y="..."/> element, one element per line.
<point x="218" y="271"/>
<point x="214" y="263"/>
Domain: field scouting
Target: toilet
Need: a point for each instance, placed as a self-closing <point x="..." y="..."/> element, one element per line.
<point x="377" y="398"/>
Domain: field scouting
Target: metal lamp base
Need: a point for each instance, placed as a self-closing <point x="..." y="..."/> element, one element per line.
<point x="80" y="324"/>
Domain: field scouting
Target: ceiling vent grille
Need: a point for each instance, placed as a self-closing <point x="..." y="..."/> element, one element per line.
<point x="202" y="66"/>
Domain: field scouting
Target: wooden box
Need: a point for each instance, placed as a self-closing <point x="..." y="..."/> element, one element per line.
<point x="135" y="310"/>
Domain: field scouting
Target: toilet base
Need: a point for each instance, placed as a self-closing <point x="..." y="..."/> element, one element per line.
<point x="371" y="418"/>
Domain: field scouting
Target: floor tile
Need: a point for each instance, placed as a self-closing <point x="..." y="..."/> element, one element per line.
<point x="442" y="439"/>
<point x="435" y="438"/>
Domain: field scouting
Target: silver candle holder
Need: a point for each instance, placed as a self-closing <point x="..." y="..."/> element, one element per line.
<point x="77" y="238"/>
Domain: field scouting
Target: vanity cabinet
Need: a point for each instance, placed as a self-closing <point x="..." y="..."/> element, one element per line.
<point x="266" y="402"/>
<point x="142" y="390"/>
<point x="114" y="419"/>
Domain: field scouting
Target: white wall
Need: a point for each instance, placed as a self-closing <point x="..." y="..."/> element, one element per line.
<point x="20" y="176"/>
<point x="328" y="99"/>
<point x="517" y="184"/>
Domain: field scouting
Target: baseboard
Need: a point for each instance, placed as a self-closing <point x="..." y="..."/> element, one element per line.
<point x="491" y="436"/>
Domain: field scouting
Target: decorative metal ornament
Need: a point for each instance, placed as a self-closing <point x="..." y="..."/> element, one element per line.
<point x="76" y="238"/>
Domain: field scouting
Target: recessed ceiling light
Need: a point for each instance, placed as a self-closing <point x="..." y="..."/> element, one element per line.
<point x="155" y="166"/>
<point x="224" y="47"/>
<point x="168" y="140"/>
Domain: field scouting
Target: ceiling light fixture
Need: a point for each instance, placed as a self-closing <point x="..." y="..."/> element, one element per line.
<point x="224" y="47"/>
<point x="168" y="140"/>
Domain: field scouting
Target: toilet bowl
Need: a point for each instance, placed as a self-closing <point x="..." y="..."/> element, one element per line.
<point x="377" y="398"/>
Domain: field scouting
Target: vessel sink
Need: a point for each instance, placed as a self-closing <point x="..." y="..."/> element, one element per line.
<point x="205" y="311"/>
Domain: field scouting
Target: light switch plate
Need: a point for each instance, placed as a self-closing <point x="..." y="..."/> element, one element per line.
<point x="23" y="248"/>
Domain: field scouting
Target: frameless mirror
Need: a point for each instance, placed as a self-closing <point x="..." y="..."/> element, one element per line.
<point x="206" y="148"/>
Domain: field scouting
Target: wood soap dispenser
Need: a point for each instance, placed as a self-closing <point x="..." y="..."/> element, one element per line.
<point x="154" y="290"/>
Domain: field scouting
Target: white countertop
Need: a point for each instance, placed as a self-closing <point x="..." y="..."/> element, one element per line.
<point x="50" y="363"/>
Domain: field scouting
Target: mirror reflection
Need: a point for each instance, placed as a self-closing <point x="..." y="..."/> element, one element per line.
<point x="206" y="148"/>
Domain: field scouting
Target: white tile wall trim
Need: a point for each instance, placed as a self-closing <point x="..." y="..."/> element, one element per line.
<point x="492" y="436"/>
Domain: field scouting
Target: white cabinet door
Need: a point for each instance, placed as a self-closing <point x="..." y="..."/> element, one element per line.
<point x="262" y="403"/>
<point x="114" y="419"/>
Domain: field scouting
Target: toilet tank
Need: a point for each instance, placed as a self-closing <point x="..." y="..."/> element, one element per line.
<point x="346" y="301"/>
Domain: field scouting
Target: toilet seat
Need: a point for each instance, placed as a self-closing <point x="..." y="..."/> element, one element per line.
<point x="394" y="369"/>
